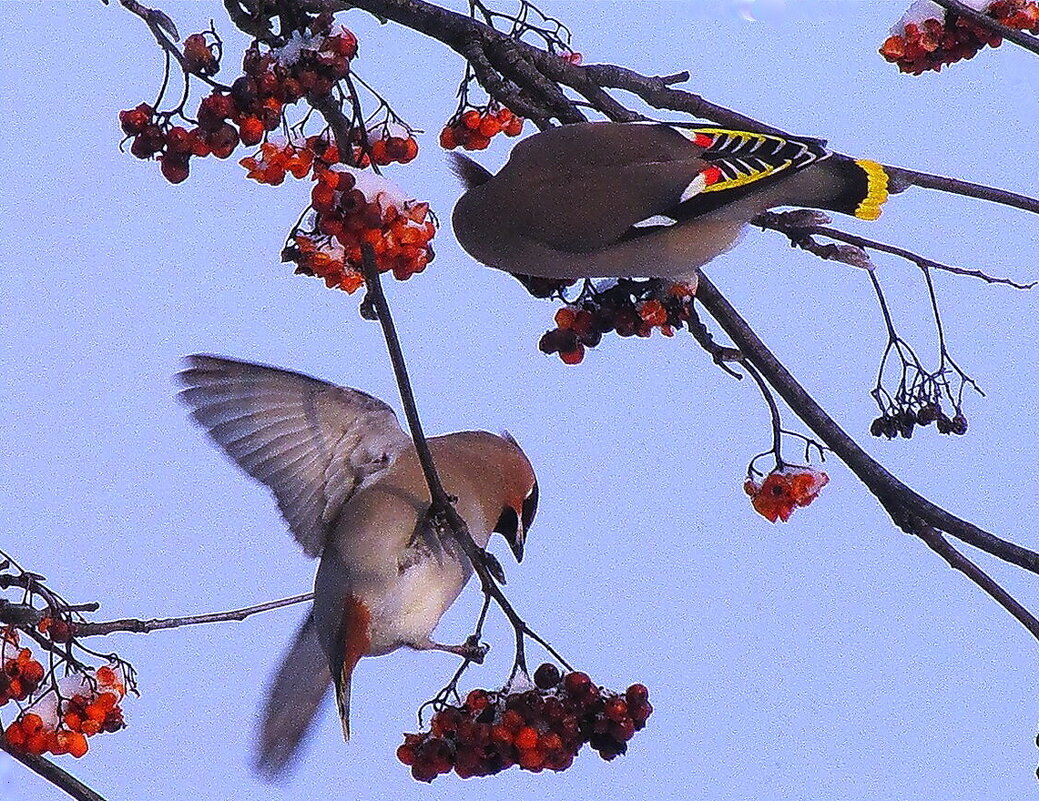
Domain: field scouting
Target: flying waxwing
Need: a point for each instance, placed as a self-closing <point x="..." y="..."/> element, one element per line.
<point x="608" y="199"/>
<point x="348" y="482"/>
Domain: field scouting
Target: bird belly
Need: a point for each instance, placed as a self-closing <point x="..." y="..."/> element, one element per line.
<point x="411" y="610"/>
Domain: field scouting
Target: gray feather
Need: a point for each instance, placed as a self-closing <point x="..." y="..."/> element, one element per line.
<point x="312" y="443"/>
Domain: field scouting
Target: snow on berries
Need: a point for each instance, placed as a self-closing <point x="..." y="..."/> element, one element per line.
<point x="629" y="307"/>
<point x="540" y="728"/>
<point x="928" y="36"/>
<point x="473" y="129"/>
<point x="783" y="490"/>
<point x="57" y="715"/>
<point x="354" y="208"/>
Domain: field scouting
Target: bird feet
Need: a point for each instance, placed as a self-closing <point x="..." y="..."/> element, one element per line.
<point x="472" y="649"/>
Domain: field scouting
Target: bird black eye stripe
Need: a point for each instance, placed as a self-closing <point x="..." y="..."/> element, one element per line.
<point x="508" y="523"/>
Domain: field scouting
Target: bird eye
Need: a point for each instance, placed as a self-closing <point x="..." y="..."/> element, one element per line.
<point x="508" y="523"/>
<point x="530" y="506"/>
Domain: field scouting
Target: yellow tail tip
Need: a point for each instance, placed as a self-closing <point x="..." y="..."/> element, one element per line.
<point x="876" y="190"/>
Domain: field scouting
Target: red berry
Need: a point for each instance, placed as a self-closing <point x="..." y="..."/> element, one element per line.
<point x="489" y="126"/>
<point x="526" y="738"/>
<point x="406" y="754"/>
<point x="174" y="167"/>
<point x="148" y="142"/>
<point x="134" y="120"/>
<point x="640" y="712"/>
<point x="616" y="708"/>
<point x="477" y="700"/>
<point x="251" y="130"/>
<point x="636" y="693"/>
<point x="223" y="140"/>
<point x="577" y="683"/>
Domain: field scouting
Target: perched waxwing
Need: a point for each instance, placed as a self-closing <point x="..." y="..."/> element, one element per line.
<point x="607" y="199"/>
<point x="348" y="482"/>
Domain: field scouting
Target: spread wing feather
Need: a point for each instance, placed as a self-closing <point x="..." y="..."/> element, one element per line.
<point x="312" y="443"/>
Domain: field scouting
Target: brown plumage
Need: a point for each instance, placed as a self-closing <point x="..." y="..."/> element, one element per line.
<point x="348" y="481"/>
<point x="636" y="199"/>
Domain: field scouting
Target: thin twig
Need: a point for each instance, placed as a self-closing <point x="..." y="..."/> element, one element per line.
<point x="57" y="776"/>
<point x="795" y="231"/>
<point x="136" y="626"/>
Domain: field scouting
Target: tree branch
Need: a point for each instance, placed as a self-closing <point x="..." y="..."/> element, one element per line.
<point x="937" y="543"/>
<point x="902" y="178"/>
<point x="136" y="626"/>
<point x="441" y="504"/>
<point x="796" y="231"/>
<point x="904" y="505"/>
<point x="57" y="776"/>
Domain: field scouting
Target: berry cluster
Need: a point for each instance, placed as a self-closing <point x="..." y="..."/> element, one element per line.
<point x="783" y="490"/>
<point x="277" y="158"/>
<point x="631" y="308"/>
<point x="474" y="129"/>
<point x="310" y="63"/>
<point x="352" y="209"/>
<point x="386" y="148"/>
<point x="20" y="675"/>
<point x="543" y="727"/>
<point x="929" y="43"/>
<point x="903" y="421"/>
<point x="80" y="706"/>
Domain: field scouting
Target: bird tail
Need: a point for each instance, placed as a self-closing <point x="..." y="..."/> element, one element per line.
<point x="293" y="698"/>
<point x="863" y="186"/>
<point x="343" y="698"/>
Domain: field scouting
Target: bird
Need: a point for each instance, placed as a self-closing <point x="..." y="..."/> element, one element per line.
<point x="647" y="200"/>
<point x="349" y="484"/>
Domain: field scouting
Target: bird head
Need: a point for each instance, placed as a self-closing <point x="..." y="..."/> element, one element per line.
<point x="521" y="501"/>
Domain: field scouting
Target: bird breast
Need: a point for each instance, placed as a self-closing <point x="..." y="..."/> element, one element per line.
<point x="412" y="607"/>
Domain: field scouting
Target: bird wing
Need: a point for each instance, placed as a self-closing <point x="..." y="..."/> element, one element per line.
<point x="637" y="178"/>
<point x="579" y="196"/>
<point x="312" y="443"/>
<point x="293" y="699"/>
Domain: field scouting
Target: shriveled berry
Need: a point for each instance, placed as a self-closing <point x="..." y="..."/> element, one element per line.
<point x="546" y="676"/>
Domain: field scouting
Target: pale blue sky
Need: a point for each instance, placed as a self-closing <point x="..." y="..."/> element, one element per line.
<point x="832" y="657"/>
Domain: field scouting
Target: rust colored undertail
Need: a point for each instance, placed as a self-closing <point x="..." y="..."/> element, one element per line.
<point x="356" y="637"/>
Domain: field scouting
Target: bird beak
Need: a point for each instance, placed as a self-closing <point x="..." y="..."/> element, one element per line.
<point x="516" y="543"/>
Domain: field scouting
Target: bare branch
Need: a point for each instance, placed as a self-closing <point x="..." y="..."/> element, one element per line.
<point x="902" y="179"/>
<point x="137" y="626"/>
<point x="57" y="776"/>
<point x="797" y="230"/>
